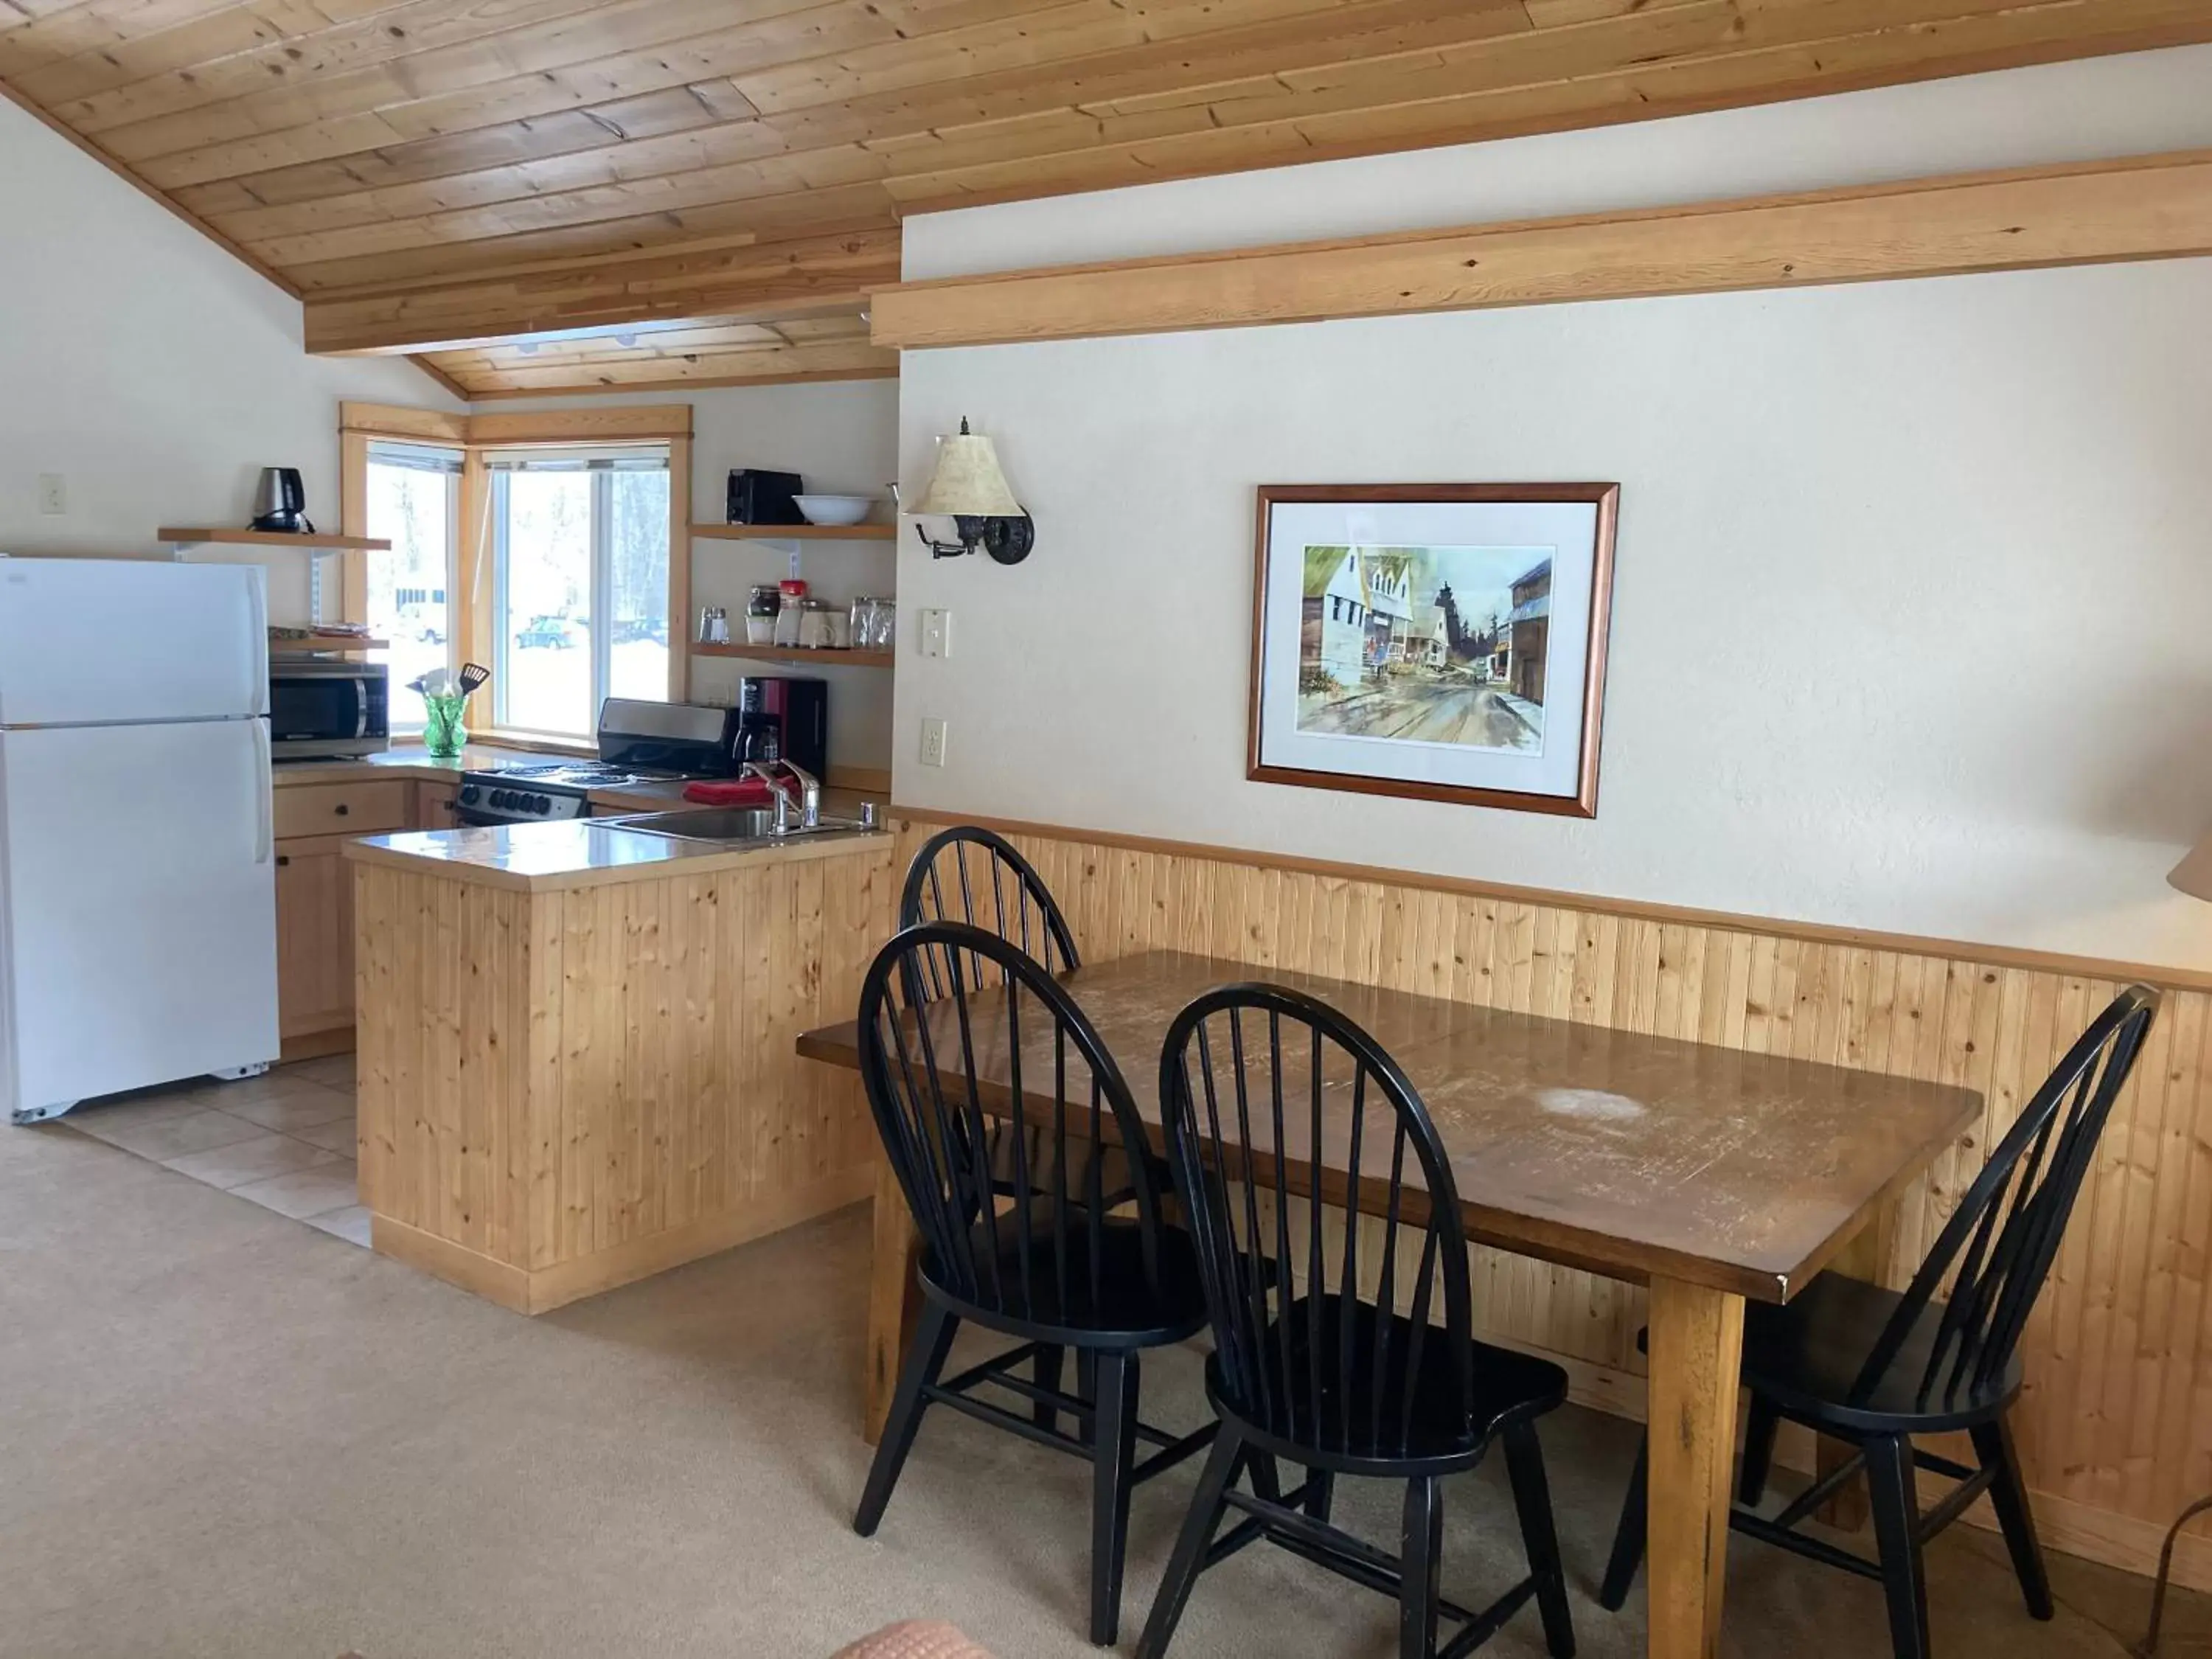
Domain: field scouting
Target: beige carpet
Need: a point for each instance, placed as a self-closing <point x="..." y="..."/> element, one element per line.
<point x="224" y="1433"/>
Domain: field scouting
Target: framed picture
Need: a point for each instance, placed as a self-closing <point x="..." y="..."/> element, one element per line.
<point x="1445" y="641"/>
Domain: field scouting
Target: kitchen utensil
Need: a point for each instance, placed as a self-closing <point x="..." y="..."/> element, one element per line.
<point x="815" y="632"/>
<point x="280" y="501"/>
<point x="835" y="509"/>
<point x="473" y="675"/>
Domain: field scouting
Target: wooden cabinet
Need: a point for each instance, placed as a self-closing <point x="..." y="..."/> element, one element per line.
<point x="314" y="891"/>
<point x="370" y="807"/>
<point x="315" y="936"/>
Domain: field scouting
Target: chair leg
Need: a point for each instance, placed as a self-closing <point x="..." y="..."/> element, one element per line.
<point x="1114" y="1456"/>
<point x="1765" y="1423"/>
<point x="1896" y="1531"/>
<point x="1086" y="1388"/>
<point x="1532" y="1497"/>
<point x="1420" y="1562"/>
<point x="1045" y="1373"/>
<point x="2009" y="1494"/>
<point x="933" y="1341"/>
<point x="1628" y="1536"/>
<point x="1191" y="1544"/>
<point x="1320" y="1494"/>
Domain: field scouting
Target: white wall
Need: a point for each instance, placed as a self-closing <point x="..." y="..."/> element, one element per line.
<point x="841" y="436"/>
<point x="1910" y="616"/>
<point x="152" y="370"/>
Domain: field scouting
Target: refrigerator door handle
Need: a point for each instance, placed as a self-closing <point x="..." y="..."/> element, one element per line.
<point x="257" y="621"/>
<point x="264" y="847"/>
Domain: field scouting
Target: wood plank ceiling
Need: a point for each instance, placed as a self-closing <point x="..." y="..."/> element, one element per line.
<point x="722" y="181"/>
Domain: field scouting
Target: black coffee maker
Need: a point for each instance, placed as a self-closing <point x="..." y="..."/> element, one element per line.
<point x="280" y="502"/>
<point x="782" y="719"/>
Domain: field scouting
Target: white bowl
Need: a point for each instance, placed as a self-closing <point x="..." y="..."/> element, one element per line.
<point x="835" y="509"/>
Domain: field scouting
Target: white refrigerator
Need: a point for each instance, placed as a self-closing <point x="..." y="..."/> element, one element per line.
<point x="138" y="856"/>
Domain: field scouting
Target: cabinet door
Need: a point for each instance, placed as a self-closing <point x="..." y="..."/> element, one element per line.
<point x="432" y="806"/>
<point x="314" y="935"/>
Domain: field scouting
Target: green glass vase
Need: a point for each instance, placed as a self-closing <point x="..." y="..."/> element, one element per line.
<point x="443" y="734"/>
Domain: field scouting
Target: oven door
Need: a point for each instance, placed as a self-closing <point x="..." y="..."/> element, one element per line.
<point x="328" y="708"/>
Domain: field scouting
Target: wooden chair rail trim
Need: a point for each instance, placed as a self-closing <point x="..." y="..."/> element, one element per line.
<point x="1994" y="956"/>
<point x="2142" y="207"/>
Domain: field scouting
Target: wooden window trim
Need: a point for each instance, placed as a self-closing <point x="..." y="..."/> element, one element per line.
<point x="473" y="435"/>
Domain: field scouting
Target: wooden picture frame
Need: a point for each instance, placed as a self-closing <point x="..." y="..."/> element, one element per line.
<point x="1399" y="692"/>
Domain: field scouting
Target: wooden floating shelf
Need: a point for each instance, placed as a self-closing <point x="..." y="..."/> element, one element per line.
<point x="317" y="542"/>
<point x="284" y="645"/>
<point x="849" y="657"/>
<point x="797" y="533"/>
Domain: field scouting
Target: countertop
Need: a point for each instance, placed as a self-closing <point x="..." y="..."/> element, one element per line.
<point x="413" y="760"/>
<point x="581" y="852"/>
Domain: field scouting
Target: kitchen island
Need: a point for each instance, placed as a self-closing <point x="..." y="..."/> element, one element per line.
<point x="574" y="1047"/>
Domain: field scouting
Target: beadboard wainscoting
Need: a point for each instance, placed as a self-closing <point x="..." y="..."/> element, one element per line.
<point x="2116" y="1425"/>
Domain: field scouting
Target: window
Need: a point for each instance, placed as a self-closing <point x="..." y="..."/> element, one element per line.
<point x="580" y="584"/>
<point x="414" y="501"/>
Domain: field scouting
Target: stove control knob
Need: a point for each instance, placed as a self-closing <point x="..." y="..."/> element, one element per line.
<point x="543" y="803"/>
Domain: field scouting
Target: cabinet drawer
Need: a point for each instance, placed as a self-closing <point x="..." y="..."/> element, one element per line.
<point x="342" y="809"/>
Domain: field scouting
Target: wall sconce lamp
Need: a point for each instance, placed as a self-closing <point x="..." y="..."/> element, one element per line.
<point x="970" y="488"/>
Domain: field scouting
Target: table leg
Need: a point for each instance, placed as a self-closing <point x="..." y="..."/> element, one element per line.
<point x="1697" y="1348"/>
<point x="894" y="1299"/>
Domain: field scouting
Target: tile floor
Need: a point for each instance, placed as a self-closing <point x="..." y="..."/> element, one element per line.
<point x="283" y="1140"/>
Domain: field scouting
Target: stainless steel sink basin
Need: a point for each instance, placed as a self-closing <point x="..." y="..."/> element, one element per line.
<point x="727" y="825"/>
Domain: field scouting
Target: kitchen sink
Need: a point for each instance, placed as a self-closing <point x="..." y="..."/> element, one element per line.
<point x="725" y="826"/>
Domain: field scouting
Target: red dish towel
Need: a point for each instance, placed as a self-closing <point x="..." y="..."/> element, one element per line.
<point x="736" y="792"/>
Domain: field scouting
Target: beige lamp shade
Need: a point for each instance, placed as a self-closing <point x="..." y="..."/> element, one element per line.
<point x="968" y="482"/>
<point x="2193" y="875"/>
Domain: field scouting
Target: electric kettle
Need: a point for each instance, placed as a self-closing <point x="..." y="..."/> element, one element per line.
<point x="280" y="501"/>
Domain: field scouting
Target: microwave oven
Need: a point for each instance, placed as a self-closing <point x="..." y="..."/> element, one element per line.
<point x="324" y="706"/>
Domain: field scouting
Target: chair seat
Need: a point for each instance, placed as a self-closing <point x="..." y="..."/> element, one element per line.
<point x="1366" y="1424"/>
<point x="1806" y="1356"/>
<point x="1061" y="1299"/>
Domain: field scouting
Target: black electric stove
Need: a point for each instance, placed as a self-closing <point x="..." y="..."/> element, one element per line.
<point x="639" y="742"/>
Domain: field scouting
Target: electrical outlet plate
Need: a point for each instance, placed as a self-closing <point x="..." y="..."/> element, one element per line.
<point x="932" y="743"/>
<point x="53" y="493"/>
<point x="937" y="633"/>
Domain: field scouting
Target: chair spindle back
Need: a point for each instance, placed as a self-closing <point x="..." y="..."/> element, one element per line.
<point x="1255" y="1081"/>
<point x="946" y="1056"/>
<point x="968" y="874"/>
<point x="1997" y="1254"/>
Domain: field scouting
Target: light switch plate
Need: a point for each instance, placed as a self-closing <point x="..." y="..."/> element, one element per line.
<point x="932" y="743"/>
<point x="937" y="633"/>
<point x="53" y="493"/>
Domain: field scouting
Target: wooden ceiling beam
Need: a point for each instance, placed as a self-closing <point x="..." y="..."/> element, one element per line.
<point x="2145" y="208"/>
<point x="782" y="365"/>
<point x="761" y="281"/>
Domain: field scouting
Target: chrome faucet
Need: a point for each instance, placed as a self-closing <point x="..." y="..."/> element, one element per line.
<point x="810" y="790"/>
<point x="809" y="803"/>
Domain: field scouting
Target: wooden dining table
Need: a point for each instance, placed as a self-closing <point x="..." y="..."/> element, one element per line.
<point x="1712" y="1175"/>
